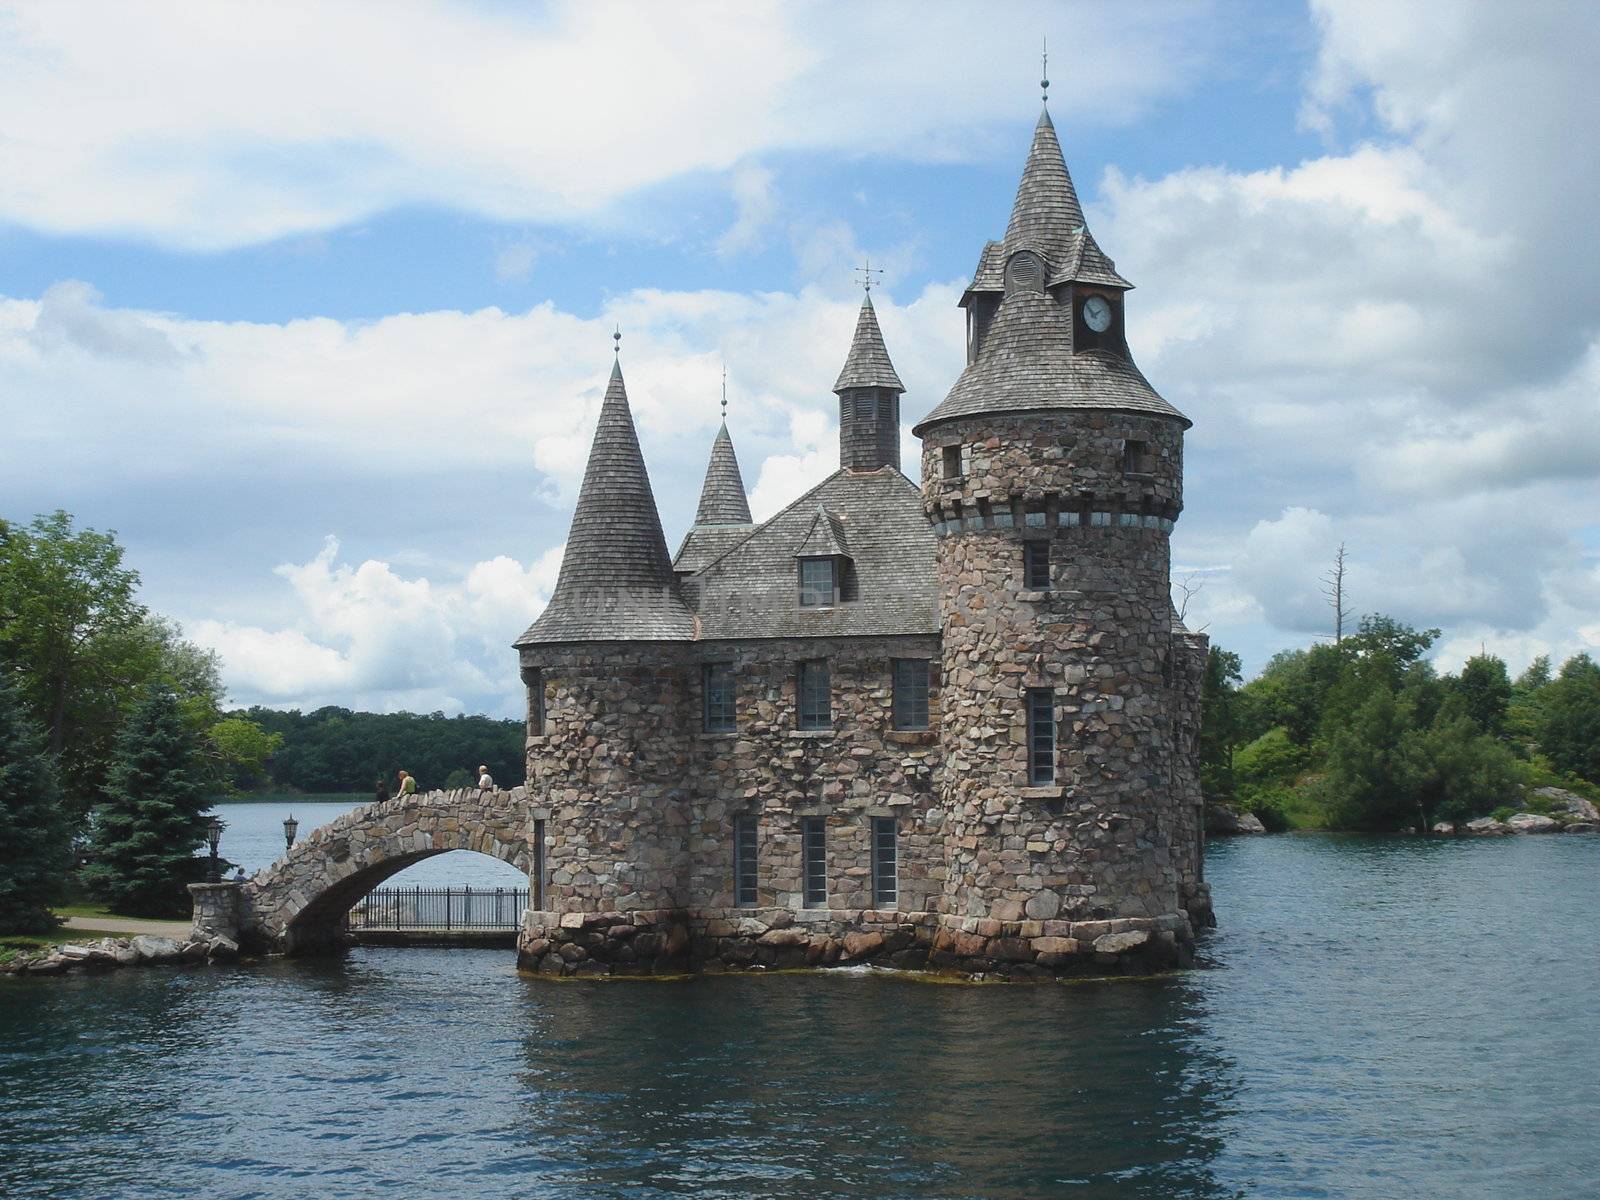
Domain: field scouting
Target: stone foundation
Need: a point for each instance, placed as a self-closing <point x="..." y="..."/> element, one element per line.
<point x="708" y="941"/>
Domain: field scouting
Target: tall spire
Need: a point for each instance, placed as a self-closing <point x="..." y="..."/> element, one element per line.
<point x="616" y="579"/>
<point x="1046" y="213"/>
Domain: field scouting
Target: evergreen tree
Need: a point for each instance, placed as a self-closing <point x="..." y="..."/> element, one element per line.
<point x="154" y="814"/>
<point x="35" y="846"/>
<point x="1364" y="788"/>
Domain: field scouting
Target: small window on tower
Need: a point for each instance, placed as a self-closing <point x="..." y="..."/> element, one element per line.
<point x="952" y="462"/>
<point x="866" y="407"/>
<point x="1036" y="566"/>
<point x="534" y="681"/>
<point x="1136" y="458"/>
<point x="1041" y="736"/>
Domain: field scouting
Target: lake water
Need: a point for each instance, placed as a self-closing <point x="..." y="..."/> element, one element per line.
<point x="1381" y="1018"/>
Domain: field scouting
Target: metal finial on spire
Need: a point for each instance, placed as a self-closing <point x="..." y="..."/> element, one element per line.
<point x="617" y="339"/>
<point x="866" y="272"/>
<point x="1044" y="68"/>
<point x="724" y="392"/>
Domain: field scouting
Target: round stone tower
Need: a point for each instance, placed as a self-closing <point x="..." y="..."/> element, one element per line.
<point x="1053" y="474"/>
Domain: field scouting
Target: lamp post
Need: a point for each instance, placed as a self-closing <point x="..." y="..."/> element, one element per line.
<point x="214" y="829"/>
<point x="290" y="828"/>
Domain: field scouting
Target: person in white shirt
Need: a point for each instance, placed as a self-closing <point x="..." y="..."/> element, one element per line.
<point x="485" y="780"/>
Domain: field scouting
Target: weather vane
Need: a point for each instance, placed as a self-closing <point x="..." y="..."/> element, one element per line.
<point x="724" y="392"/>
<point x="866" y="272"/>
<point x="1044" y="68"/>
<point x="617" y="338"/>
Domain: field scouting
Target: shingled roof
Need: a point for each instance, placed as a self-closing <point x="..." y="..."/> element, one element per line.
<point x="616" y="581"/>
<point x="1047" y="218"/>
<point x="1046" y="212"/>
<point x="1026" y="361"/>
<point x="1027" y="364"/>
<point x="752" y="591"/>
<point x="722" y="498"/>
<point x="867" y="364"/>
<point x="825" y="538"/>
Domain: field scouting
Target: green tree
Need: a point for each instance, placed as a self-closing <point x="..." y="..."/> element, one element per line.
<point x="241" y="750"/>
<point x="1265" y="773"/>
<point x="1219" y="727"/>
<point x="65" y="600"/>
<point x="1535" y="677"/>
<point x="1451" y="771"/>
<point x="35" y="849"/>
<point x="1482" y="692"/>
<point x="1290" y="693"/>
<point x="1363" y="788"/>
<point x="154" y="815"/>
<point x="1569" y="719"/>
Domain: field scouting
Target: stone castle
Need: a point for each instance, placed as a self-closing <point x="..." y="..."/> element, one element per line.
<point x="952" y="725"/>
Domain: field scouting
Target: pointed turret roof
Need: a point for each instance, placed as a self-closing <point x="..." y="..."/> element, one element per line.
<point x="722" y="497"/>
<point x="867" y="364"/>
<point x="616" y="580"/>
<point x="1026" y="360"/>
<point x="1046" y="214"/>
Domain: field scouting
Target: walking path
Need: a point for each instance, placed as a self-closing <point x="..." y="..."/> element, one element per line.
<point x="130" y="925"/>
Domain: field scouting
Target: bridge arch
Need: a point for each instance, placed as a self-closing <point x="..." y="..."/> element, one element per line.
<point x="298" y="904"/>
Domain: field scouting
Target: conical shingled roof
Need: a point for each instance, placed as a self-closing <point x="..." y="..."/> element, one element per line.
<point x="1046" y="213"/>
<point x="616" y="580"/>
<point x="867" y="364"/>
<point x="722" y="497"/>
<point x="1027" y="361"/>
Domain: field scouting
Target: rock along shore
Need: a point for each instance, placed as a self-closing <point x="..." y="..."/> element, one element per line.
<point x="110" y="954"/>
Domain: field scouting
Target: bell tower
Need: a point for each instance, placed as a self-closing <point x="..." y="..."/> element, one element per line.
<point x="1053" y="474"/>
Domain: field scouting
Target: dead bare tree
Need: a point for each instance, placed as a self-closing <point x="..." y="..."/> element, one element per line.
<point x="1190" y="586"/>
<point x="1333" y="589"/>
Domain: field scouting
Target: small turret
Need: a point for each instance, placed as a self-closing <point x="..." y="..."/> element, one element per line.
<point x="869" y="393"/>
<point x="722" y="497"/>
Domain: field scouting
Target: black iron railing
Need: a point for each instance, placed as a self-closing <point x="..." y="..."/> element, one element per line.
<point x="439" y="908"/>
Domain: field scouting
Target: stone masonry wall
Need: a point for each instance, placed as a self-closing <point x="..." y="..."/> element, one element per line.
<point x="609" y="775"/>
<point x="1110" y="838"/>
<point x="859" y="769"/>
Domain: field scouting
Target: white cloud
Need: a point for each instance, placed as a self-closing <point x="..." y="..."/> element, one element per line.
<point x="367" y="637"/>
<point x="515" y="260"/>
<point x="214" y="127"/>
<point x="755" y="204"/>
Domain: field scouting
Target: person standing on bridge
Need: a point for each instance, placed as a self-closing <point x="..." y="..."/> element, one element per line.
<point x="408" y="785"/>
<point x="485" y="780"/>
<point x="381" y="792"/>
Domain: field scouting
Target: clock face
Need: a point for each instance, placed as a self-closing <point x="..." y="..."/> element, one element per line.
<point x="1097" y="313"/>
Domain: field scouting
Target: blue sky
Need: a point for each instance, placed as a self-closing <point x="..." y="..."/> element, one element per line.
<point x="311" y="303"/>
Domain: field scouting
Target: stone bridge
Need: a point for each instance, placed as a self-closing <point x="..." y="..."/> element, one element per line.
<point x="298" y="904"/>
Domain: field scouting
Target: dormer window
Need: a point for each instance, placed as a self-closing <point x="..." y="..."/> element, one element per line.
<point x="819" y="582"/>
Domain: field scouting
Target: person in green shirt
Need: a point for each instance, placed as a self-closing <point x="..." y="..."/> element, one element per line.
<point x="407" y="786"/>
